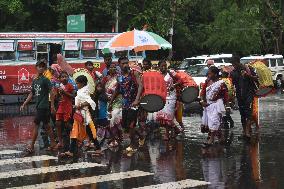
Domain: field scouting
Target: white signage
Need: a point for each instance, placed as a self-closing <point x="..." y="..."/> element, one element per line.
<point x="6" y="46"/>
<point x="71" y="45"/>
<point x="101" y="44"/>
<point x="3" y="75"/>
<point x="22" y="88"/>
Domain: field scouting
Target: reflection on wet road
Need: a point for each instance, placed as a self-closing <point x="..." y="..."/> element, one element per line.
<point x="157" y="165"/>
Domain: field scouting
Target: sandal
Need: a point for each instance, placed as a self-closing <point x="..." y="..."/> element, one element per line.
<point x="98" y="153"/>
<point x="52" y="148"/>
<point x="141" y="142"/>
<point x="66" y="155"/>
<point x="131" y="150"/>
<point x="29" y="150"/>
<point x="113" y="144"/>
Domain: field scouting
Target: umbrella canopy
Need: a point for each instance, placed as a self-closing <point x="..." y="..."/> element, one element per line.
<point x="136" y="40"/>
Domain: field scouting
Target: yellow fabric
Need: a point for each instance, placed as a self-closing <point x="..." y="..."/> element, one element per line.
<point x="79" y="131"/>
<point x="230" y="87"/>
<point x="255" y="110"/>
<point x="264" y="74"/>
<point x="47" y="74"/>
<point x="179" y="112"/>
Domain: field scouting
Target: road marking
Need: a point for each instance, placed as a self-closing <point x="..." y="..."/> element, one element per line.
<point x="26" y="159"/>
<point x="88" y="180"/>
<point x="43" y="170"/>
<point x="188" y="183"/>
<point x="7" y="152"/>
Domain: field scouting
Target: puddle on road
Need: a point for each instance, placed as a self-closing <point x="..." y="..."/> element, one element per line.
<point x="239" y="165"/>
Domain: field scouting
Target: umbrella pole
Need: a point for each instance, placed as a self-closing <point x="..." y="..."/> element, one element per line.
<point x="136" y="58"/>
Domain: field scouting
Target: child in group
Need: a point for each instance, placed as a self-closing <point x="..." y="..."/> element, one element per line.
<point x="83" y="124"/>
<point x="64" y="112"/>
<point x="102" y="121"/>
<point x="41" y="88"/>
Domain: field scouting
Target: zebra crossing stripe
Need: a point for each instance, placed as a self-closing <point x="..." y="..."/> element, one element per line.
<point x="52" y="169"/>
<point x="7" y="152"/>
<point x="188" y="183"/>
<point x="26" y="159"/>
<point x="88" y="180"/>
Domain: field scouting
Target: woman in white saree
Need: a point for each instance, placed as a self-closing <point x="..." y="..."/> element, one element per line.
<point x="214" y="96"/>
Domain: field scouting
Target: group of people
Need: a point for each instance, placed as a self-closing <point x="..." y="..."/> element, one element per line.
<point x="113" y="108"/>
<point x="109" y="112"/>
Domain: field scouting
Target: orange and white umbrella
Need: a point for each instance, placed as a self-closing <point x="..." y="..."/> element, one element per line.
<point x="136" y="40"/>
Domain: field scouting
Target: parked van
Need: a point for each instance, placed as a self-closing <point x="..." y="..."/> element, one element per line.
<point x="218" y="59"/>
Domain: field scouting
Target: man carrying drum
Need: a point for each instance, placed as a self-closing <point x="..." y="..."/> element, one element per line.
<point x="244" y="79"/>
<point x="147" y="65"/>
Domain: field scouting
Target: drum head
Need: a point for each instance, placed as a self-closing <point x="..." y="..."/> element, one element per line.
<point x="152" y="103"/>
<point x="189" y="94"/>
<point x="91" y="82"/>
<point x="263" y="91"/>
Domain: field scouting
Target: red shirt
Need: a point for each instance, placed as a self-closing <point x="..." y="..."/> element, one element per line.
<point x="65" y="102"/>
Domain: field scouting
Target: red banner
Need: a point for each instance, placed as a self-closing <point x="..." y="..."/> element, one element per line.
<point x="88" y="45"/>
<point x="25" y="46"/>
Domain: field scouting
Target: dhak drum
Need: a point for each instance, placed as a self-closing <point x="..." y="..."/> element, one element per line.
<point x="265" y="80"/>
<point x="155" y="91"/>
<point x="188" y="89"/>
<point x="91" y="82"/>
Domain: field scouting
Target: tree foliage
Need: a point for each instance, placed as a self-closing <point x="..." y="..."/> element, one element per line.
<point x="200" y="27"/>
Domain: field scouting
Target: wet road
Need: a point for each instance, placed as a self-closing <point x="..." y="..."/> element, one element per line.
<point x="236" y="165"/>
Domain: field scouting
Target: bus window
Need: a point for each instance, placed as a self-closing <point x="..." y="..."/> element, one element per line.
<point x="26" y="51"/>
<point x="280" y="62"/>
<point x="26" y="55"/>
<point x="100" y="46"/>
<point x="132" y="53"/>
<point x="42" y="48"/>
<point x="42" y="51"/>
<point x="88" y="49"/>
<point x="7" y="51"/>
<point x="120" y="54"/>
<point x="272" y="62"/>
<point x="7" y="55"/>
<point x="71" y="54"/>
<point x="71" y="49"/>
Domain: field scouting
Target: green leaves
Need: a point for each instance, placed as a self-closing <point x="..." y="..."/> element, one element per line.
<point x="200" y="27"/>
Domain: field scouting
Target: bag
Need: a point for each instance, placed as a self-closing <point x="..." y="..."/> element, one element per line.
<point x="78" y="117"/>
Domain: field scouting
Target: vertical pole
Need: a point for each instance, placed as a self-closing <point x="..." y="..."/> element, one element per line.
<point x="116" y="18"/>
<point x="171" y="32"/>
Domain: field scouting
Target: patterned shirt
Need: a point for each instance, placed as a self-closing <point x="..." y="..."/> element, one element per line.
<point x="128" y="88"/>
